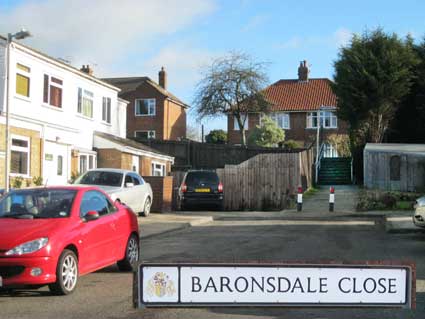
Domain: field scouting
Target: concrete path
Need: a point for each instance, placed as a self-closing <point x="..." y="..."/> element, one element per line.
<point x="156" y="224"/>
<point x="345" y="200"/>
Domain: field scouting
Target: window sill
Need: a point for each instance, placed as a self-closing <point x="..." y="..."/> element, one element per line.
<point x="22" y="98"/>
<point x="84" y="117"/>
<point x="145" y="115"/>
<point x="19" y="175"/>
<point x="106" y="123"/>
<point x="48" y="106"/>
<point x="325" y="128"/>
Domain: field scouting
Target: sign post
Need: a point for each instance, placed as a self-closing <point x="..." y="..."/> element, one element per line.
<point x="271" y="285"/>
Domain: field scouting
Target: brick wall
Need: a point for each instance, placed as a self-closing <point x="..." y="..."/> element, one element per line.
<point x="108" y="158"/>
<point x="162" y="189"/>
<point x="36" y="146"/>
<point x="174" y="121"/>
<point x="298" y="129"/>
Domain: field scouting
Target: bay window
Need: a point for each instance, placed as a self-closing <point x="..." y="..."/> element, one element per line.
<point x="86" y="162"/>
<point x="281" y="119"/>
<point x="327" y="119"/>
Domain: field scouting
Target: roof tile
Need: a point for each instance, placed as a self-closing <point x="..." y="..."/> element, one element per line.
<point x="294" y="95"/>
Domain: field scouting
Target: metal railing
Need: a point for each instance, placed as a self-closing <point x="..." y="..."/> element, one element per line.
<point x="319" y="156"/>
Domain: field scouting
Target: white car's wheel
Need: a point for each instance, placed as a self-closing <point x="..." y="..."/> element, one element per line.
<point x="147" y="207"/>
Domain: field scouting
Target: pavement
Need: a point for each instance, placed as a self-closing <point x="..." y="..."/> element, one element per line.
<point x="315" y="211"/>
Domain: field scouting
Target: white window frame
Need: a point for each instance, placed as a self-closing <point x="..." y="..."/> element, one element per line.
<point x="25" y="74"/>
<point x="85" y="94"/>
<point x="244" y="117"/>
<point x="322" y="116"/>
<point x="282" y="118"/>
<point x="88" y="156"/>
<point x="22" y="150"/>
<point x="161" y="170"/>
<point x="151" y="107"/>
<point x="51" y="83"/>
<point x="151" y="133"/>
<point x="107" y="110"/>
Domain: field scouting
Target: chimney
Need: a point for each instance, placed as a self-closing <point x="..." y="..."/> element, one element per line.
<point x="87" y="69"/>
<point x="162" y="78"/>
<point x="303" y="71"/>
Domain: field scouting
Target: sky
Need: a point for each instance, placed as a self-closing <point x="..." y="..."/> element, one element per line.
<point x="137" y="37"/>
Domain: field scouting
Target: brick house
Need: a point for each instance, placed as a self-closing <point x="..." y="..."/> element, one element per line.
<point x="297" y="106"/>
<point x="153" y="112"/>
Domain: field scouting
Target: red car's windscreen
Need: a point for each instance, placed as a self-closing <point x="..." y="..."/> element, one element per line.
<point x="37" y="203"/>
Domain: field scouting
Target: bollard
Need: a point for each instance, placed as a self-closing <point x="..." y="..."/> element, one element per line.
<point x="331" y="198"/>
<point x="300" y="199"/>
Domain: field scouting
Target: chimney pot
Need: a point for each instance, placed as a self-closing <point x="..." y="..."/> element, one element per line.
<point x="303" y="71"/>
<point x="87" y="69"/>
<point x="162" y="78"/>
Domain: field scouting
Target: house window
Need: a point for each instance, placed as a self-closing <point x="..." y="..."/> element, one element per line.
<point x="85" y="103"/>
<point x="23" y="80"/>
<point x="52" y="91"/>
<point x="86" y="162"/>
<point x="281" y="119"/>
<point x="328" y="119"/>
<point x="145" y="107"/>
<point x="158" y="169"/>
<point x="60" y="165"/>
<point x="106" y="110"/>
<point x="244" y="119"/>
<point x="144" y="135"/>
<point x="20" y="156"/>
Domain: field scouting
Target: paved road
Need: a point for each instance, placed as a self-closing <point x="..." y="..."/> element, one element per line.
<point x="107" y="293"/>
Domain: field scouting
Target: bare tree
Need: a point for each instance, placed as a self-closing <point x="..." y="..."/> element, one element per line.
<point x="232" y="84"/>
<point x="192" y="133"/>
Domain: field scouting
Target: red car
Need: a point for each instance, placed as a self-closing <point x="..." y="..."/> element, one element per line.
<point x="51" y="236"/>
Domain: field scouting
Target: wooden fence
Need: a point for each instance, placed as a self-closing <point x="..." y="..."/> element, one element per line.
<point x="194" y="155"/>
<point x="264" y="182"/>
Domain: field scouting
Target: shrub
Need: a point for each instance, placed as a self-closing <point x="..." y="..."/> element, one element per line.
<point x="290" y="144"/>
<point x="37" y="180"/>
<point x="268" y="134"/>
<point x="216" y="137"/>
<point x="17" y="182"/>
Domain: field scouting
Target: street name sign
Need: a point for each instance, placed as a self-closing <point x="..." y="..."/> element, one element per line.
<point x="198" y="285"/>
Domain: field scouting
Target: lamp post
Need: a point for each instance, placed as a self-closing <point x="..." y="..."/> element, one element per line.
<point x="18" y="36"/>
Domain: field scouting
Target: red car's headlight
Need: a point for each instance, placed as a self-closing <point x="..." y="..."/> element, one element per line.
<point x="28" y="247"/>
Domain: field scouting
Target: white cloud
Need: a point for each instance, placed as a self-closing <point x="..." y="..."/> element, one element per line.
<point x="341" y="37"/>
<point x="255" y="22"/>
<point x="101" y="31"/>
<point x="182" y="61"/>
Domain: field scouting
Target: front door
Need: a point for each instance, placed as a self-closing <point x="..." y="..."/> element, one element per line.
<point x="55" y="164"/>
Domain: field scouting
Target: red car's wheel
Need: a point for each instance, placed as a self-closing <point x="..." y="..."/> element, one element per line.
<point x="66" y="274"/>
<point x="131" y="255"/>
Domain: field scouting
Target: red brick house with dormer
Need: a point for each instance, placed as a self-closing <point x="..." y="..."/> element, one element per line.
<point x="297" y="106"/>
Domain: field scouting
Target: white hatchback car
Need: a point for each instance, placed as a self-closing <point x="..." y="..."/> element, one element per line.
<point x="419" y="214"/>
<point x="127" y="187"/>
